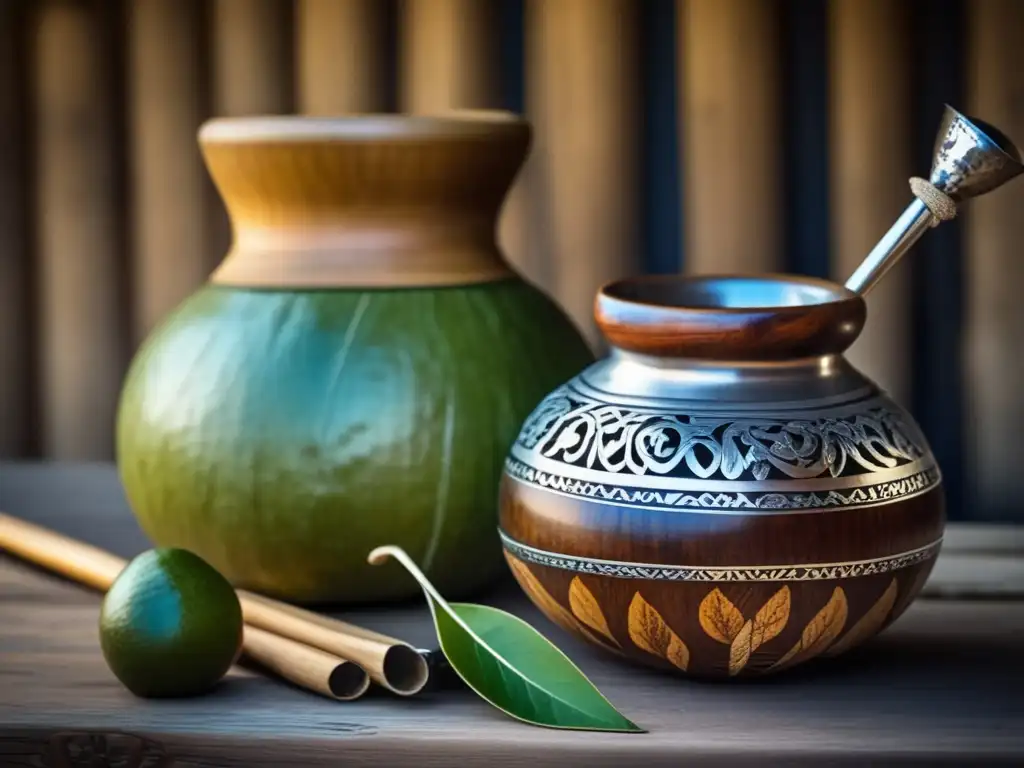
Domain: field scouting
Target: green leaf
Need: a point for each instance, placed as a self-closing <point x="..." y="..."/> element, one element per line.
<point x="511" y="665"/>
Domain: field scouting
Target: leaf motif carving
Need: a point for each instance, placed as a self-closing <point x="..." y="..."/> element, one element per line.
<point x="719" y="617"/>
<point x="771" y="619"/>
<point x="740" y="649"/>
<point x="767" y="623"/>
<point x="551" y="607"/>
<point x="586" y="608"/>
<point x="819" y="632"/>
<point x="869" y="623"/>
<point x="648" y="630"/>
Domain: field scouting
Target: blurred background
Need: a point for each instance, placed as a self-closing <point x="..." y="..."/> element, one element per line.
<point x="670" y="135"/>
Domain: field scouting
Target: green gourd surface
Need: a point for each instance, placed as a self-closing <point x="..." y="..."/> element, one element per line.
<point x="282" y="435"/>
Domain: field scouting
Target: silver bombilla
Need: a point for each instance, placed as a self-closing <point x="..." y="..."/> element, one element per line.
<point x="970" y="159"/>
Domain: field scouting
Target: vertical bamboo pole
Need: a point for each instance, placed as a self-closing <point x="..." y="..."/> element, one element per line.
<point x="995" y="270"/>
<point x="252" y="57"/>
<point x="731" y="135"/>
<point x="81" y="330"/>
<point x="448" y="55"/>
<point x="582" y="94"/>
<point x="341" y="48"/>
<point x="871" y="133"/>
<point x="15" y="305"/>
<point x="173" y="253"/>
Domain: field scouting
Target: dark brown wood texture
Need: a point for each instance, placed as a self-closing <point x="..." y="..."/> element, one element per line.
<point x="571" y="526"/>
<point x="655" y="316"/>
<point x="574" y="526"/>
<point x="681" y="607"/>
<point x="935" y="689"/>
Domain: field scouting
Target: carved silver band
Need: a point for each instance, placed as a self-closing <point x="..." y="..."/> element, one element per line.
<point x="706" y="498"/>
<point x="868" y="453"/>
<point x="657" y="572"/>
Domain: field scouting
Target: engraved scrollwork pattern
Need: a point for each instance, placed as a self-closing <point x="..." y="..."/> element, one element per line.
<point x="572" y="428"/>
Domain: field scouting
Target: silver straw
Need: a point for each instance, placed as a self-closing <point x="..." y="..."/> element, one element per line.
<point x="970" y="158"/>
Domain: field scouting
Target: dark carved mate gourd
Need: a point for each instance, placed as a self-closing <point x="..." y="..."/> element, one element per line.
<point x="724" y="494"/>
<point x="358" y="365"/>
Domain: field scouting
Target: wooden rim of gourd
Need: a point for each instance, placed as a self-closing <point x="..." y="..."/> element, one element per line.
<point x="462" y="123"/>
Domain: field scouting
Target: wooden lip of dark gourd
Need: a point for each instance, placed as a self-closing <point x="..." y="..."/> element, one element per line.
<point x="753" y="318"/>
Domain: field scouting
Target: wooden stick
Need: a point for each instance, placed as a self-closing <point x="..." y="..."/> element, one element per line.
<point x="311" y="668"/>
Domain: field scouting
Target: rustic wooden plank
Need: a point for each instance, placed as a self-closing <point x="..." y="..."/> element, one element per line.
<point x="931" y="690"/>
<point x="340" y="47"/>
<point x="252" y="64"/>
<point x="995" y="271"/>
<point x="582" y="66"/>
<point x="51" y="653"/>
<point x="83" y="347"/>
<point x="731" y="135"/>
<point x="871" y="136"/>
<point x="448" y="54"/>
<point x="967" y="576"/>
<point x="16" y="331"/>
<point x="984" y="538"/>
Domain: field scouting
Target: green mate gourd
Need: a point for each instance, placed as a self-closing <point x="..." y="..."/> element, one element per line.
<point x="356" y="369"/>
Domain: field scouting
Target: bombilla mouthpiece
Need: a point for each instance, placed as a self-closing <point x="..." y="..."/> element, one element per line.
<point x="970" y="158"/>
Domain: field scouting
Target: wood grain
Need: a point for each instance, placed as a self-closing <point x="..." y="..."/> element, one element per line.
<point x="364" y="201"/>
<point x="83" y="347"/>
<point x="931" y="690"/>
<point x="994" y="362"/>
<point x="658" y="316"/>
<point x="871" y="131"/>
<point x="16" y="331"/>
<point x="582" y="66"/>
<point x="448" y="55"/>
<point x="340" y="49"/>
<point x="582" y="528"/>
<point x="171" y="193"/>
<point x="731" y="134"/>
<point x="252" y="65"/>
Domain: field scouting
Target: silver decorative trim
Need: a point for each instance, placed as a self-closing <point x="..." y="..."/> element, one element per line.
<point x="756" y="500"/>
<point x="577" y="443"/>
<point x="836" y="404"/>
<point x="608" y="438"/>
<point x="758" y="573"/>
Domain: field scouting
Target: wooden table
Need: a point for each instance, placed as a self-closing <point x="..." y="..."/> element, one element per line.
<point x="939" y="687"/>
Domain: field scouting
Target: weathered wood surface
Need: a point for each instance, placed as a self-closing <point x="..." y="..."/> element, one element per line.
<point x="934" y="689"/>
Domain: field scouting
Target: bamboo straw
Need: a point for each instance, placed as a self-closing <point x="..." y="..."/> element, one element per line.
<point x="391" y="663"/>
<point x="309" y="667"/>
<point x="314" y="669"/>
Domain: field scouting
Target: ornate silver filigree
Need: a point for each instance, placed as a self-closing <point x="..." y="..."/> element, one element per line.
<point x="574" y="429"/>
<point x="655" y="572"/>
<point x="726" y="501"/>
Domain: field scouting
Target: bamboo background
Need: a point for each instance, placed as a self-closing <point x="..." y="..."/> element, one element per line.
<point x="670" y="135"/>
